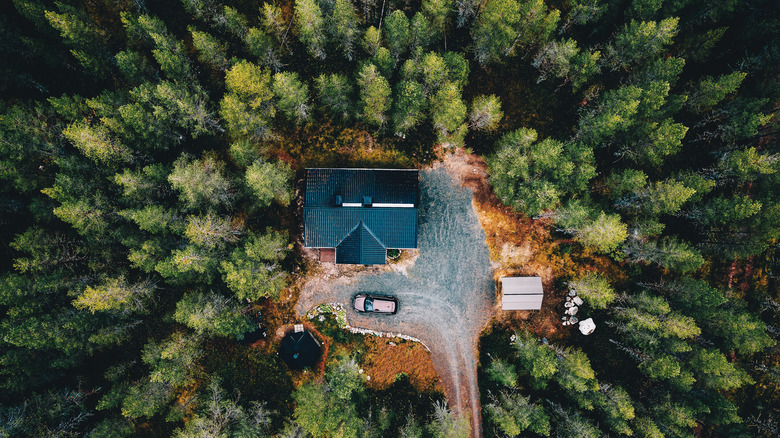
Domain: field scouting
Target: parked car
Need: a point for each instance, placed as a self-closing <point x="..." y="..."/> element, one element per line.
<point x="376" y="304"/>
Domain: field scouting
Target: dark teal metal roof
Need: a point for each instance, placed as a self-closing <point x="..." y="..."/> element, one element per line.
<point x="361" y="247"/>
<point x="360" y="235"/>
<point x="327" y="227"/>
<point x="384" y="186"/>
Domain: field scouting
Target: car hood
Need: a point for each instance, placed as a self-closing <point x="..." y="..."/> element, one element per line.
<point x="360" y="303"/>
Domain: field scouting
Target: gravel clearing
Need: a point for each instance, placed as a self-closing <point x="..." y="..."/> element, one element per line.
<point x="445" y="296"/>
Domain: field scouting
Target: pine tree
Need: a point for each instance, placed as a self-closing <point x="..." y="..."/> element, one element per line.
<point x="375" y="95"/>
<point x="311" y="27"/>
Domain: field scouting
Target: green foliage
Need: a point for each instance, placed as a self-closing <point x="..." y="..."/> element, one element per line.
<point x="433" y="71"/>
<point x="603" y="232"/>
<point x="666" y="69"/>
<point x="343" y="27"/>
<point x="747" y="164"/>
<point x="447" y="424"/>
<point x="396" y="32"/>
<point x="572" y="424"/>
<point x="574" y="371"/>
<point x="115" y="295"/>
<point x="211" y="231"/>
<point x="640" y="41"/>
<point x="617" y="408"/>
<point x="485" y="113"/>
<point x="201" y="184"/>
<point x="710" y="91"/>
<point x="247" y="107"/>
<point x="448" y="114"/>
<point x="168" y="51"/>
<point x="513" y="414"/>
<point x="132" y="65"/>
<point x="330" y="408"/>
<point x="554" y="59"/>
<point x="263" y="48"/>
<point x="253" y="272"/>
<point x="372" y="40"/>
<point x="533" y="176"/>
<point x="270" y="182"/>
<point x="537" y="360"/>
<point x="146" y="399"/>
<point x="96" y="144"/>
<point x="494" y="32"/>
<point x="409" y="105"/>
<point x="457" y="68"/>
<point x="113" y="239"/>
<point x="661" y="197"/>
<point x="311" y="27"/>
<point x="85" y="39"/>
<point x="375" y="95"/>
<point x="437" y="12"/>
<point x="594" y="289"/>
<point x="384" y="61"/>
<point x="244" y="152"/>
<point x="51" y="413"/>
<point x="211" y="51"/>
<point x="714" y="371"/>
<point x="502" y="373"/>
<point x="292" y="96"/>
<point x="188" y="264"/>
<point x="420" y="34"/>
<point x="582" y="67"/>
<point x="212" y="314"/>
<point x="616" y="111"/>
<point x="335" y="93"/>
<point x="173" y="362"/>
<point x="505" y="25"/>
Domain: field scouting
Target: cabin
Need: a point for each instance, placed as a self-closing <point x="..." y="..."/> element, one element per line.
<point x="353" y="216"/>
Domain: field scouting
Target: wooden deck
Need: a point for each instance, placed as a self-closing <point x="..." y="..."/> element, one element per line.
<point x="328" y="255"/>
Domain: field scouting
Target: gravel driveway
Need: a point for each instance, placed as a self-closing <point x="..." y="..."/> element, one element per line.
<point x="445" y="297"/>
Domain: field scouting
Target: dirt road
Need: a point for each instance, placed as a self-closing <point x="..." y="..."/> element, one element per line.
<point x="445" y="296"/>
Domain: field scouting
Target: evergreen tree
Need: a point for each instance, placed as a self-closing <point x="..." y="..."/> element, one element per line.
<point x="343" y="27"/>
<point x="448" y="113"/>
<point x="212" y="314"/>
<point x="335" y="93"/>
<point x="396" y="32"/>
<point x="408" y="106"/>
<point x="253" y="271"/>
<point x="247" y="107"/>
<point x="311" y="27"/>
<point x="375" y="95"/>
<point x="292" y="96"/>
<point x="485" y="113"/>
<point x="202" y="183"/>
<point x="594" y="289"/>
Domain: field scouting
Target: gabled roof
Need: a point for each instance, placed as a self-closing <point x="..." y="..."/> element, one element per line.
<point x="327" y="227"/>
<point x="360" y="212"/>
<point x="361" y="247"/>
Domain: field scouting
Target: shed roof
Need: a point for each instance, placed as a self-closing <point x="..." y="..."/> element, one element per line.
<point x="521" y="293"/>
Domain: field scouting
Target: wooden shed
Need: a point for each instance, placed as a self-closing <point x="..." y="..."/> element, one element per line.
<point x="521" y="293"/>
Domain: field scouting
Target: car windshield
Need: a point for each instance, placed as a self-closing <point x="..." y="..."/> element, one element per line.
<point x="369" y="305"/>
